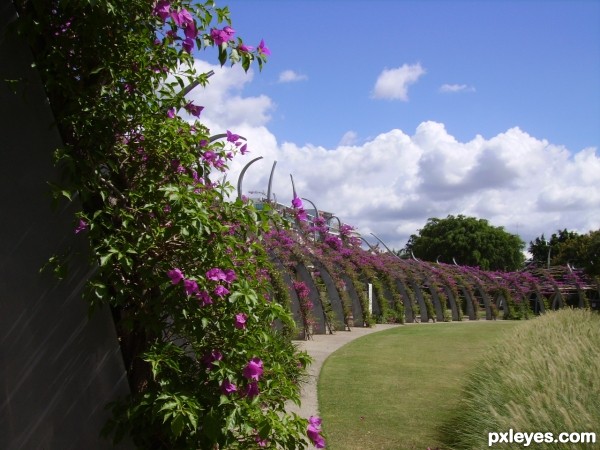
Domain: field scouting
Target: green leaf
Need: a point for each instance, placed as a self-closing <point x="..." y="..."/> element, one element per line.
<point x="177" y="425"/>
<point x="223" y="54"/>
<point x="104" y="259"/>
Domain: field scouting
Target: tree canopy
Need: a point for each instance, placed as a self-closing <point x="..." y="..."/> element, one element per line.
<point x="468" y="241"/>
<point x="568" y="247"/>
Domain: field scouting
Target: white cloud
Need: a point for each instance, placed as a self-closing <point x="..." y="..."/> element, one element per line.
<point x="222" y="100"/>
<point x="451" y="88"/>
<point x="393" y="83"/>
<point x="289" y="76"/>
<point x="391" y="184"/>
<point x="349" y="138"/>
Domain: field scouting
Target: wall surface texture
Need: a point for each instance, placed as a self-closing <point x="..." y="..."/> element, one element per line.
<point x="58" y="368"/>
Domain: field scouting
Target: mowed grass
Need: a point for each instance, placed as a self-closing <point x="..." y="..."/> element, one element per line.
<point x="394" y="389"/>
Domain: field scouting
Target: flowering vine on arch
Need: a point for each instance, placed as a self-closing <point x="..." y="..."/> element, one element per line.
<point x="181" y="267"/>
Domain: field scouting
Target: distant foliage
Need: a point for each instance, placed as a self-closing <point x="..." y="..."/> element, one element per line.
<point x="468" y="241"/>
<point x="568" y="247"/>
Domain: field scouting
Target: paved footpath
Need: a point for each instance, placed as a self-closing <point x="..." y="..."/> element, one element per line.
<point x="319" y="348"/>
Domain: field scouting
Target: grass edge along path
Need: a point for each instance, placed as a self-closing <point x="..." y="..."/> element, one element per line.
<point x="393" y="389"/>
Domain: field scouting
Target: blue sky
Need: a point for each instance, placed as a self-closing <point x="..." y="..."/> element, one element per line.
<point x="532" y="64"/>
<point x="391" y="112"/>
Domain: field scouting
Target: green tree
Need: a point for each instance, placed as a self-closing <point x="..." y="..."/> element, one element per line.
<point x="541" y="248"/>
<point x="581" y="251"/>
<point x="468" y="241"/>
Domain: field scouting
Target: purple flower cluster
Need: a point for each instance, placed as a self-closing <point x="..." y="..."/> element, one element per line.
<point x="299" y="211"/>
<point x="191" y="287"/>
<point x="183" y="19"/>
<point x="313" y="431"/>
<point x="222" y="36"/>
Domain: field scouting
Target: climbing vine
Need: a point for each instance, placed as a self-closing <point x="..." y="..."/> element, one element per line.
<point x="181" y="268"/>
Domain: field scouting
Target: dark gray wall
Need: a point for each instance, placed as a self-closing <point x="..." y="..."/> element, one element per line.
<point x="57" y="368"/>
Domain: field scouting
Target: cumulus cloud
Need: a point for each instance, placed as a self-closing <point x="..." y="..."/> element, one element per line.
<point x="391" y="184"/>
<point x="393" y="84"/>
<point x="222" y="100"/>
<point x="349" y="138"/>
<point x="289" y="76"/>
<point x="451" y="88"/>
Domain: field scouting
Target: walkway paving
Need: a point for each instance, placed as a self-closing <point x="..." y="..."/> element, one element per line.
<point x="319" y="348"/>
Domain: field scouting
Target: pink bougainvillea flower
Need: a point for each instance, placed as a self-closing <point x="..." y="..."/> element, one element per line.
<point x="301" y="289"/>
<point x="315" y="421"/>
<point x="209" y="156"/>
<point x="297" y="202"/>
<point x="245" y="48"/>
<point x="227" y="387"/>
<point x="162" y="9"/>
<point x="190" y="286"/>
<point x="216" y="274"/>
<point x="209" y="359"/>
<point x="230" y="276"/>
<point x="252" y="390"/>
<point x="263" y="49"/>
<point x="316" y="438"/>
<point x="221" y="36"/>
<point x="171" y="113"/>
<point x="217" y="36"/>
<point x="176" y="275"/>
<point x="254" y="369"/>
<point x="232" y="137"/>
<point x="313" y="431"/>
<point x="261" y="442"/>
<point x="204" y="298"/>
<point x="188" y="45"/>
<point x="240" y="321"/>
<point x="244" y="149"/>
<point x="182" y="18"/>
<point x="82" y="225"/>
<point x="221" y="291"/>
<point x="190" y="30"/>
<point x="171" y="35"/>
<point x="229" y="32"/>
<point x="193" y="109"/>
<point x="301" y="215"/>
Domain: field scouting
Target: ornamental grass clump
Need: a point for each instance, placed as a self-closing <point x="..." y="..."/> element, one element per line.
<point x="543" y="377"/>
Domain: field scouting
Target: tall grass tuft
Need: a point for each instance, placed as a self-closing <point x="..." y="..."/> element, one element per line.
<point x="544" y="377"/>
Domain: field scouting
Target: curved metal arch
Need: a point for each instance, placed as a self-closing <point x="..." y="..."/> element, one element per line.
<point x="194" y="84"/>
<point x="414" y="257"/>
<point x="336" y="218"/>
<point x="271" y="183"/>
<point x="383" y="243"/>
<point x="314" y="206"/>
<point x="241" y="178"/>
<point x="367" y="242"/>
<point x="293" y="186"/>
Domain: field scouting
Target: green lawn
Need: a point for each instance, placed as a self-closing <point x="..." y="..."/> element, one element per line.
<point x="393" y="389"/>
